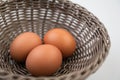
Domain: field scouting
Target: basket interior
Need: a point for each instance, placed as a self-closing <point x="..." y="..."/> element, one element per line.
<point x="41" y="15"/>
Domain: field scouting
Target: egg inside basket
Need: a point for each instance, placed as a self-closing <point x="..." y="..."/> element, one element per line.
<point x="39" y="16"/>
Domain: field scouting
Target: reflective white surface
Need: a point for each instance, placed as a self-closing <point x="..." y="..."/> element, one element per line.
<point x="108" y="11"/>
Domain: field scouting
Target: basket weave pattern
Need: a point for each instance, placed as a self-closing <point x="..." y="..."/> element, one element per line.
<point x="39" y="16"/>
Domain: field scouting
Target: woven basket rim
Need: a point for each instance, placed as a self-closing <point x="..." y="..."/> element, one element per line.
<point x="108" y="44"/>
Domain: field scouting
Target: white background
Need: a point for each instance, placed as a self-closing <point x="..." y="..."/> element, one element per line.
<point x="108" y="11"/>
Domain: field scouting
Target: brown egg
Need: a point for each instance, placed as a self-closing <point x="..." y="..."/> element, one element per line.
<point x="23" y="44"/>
<point x="44" y="60"/>
<point x="62" y="39"/>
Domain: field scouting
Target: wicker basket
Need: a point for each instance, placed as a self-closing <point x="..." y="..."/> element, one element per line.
<point x="17" y="16"/>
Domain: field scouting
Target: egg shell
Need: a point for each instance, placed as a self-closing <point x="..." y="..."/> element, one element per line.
<point x="23" y="44"/>
<point x="44" y="60"/>
<point x="62" y="39"/>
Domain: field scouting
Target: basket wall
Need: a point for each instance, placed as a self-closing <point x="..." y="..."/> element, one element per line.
<point x="39" y="16"/>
